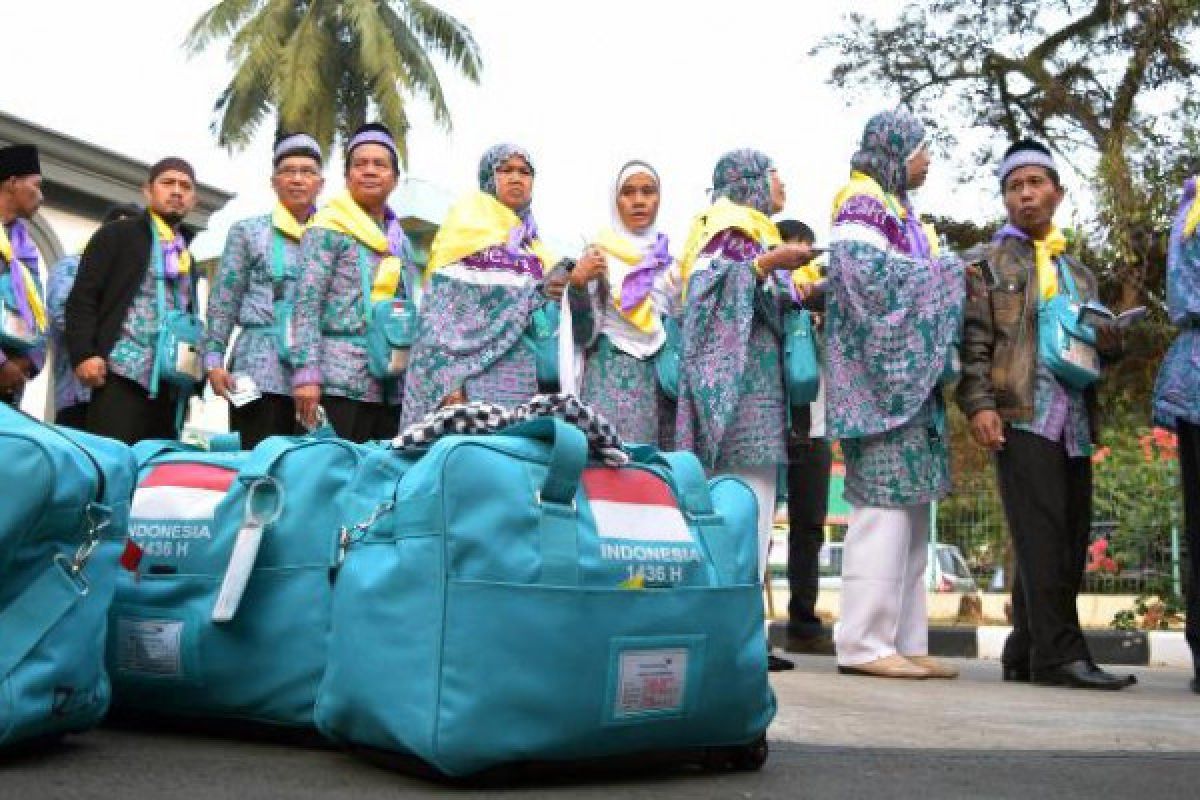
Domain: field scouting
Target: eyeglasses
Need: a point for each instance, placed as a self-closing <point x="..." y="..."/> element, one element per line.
<point x="298" y="172"/>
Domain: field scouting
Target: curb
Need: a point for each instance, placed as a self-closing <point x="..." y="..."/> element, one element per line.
<point x="1125" y="648"/>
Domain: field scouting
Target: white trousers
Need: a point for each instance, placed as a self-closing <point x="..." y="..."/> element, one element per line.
<point x="763" y="481"/>
<point x="883" y="585"/>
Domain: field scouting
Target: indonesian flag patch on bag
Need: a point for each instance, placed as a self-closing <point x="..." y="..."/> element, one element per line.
<point x="173" y="510"/>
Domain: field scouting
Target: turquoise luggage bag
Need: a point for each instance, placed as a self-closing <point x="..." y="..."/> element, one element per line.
<point x="61" y="525"/>
<point x="223" y="609"/>
<point x="506" y="601"/>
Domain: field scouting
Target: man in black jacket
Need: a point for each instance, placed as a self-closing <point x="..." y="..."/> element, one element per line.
<point x="114" y="312"/>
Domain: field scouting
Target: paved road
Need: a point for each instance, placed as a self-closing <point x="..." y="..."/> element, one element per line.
<point x="835" y="736"/>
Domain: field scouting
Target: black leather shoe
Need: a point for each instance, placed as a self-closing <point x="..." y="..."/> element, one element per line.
<point x="1016" y="674"/>
<point x="777" y="664"/>
<point x="1196" y="685"/>
<point x="1082" y="675"/>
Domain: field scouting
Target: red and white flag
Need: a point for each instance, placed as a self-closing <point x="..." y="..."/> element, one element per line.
<point x="181" y="492"/>
<point x="634" y="504"/>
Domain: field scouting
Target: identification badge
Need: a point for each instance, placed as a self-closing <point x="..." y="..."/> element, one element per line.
<point x="651" y="681"/>
<point x="150" y="646"/>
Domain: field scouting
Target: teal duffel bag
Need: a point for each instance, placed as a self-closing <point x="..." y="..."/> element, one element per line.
<point x="223" y="610"/>
<point x="61" y="525"/>
<point x="506" y="601"/>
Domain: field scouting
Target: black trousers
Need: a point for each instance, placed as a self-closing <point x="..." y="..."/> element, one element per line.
<point x="1047" y="499"/>
<point x="270" y="415"/>
<point x="1189" y="465"/>
<point x="73" y="416"/>
<point x="809" y="462"/>
<point x="121" y="409"/>
<point x="361" y="422"/>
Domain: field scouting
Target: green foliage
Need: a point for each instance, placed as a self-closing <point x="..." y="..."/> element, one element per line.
<point x="1110" y="84"/>
<point x="323" y="66"/>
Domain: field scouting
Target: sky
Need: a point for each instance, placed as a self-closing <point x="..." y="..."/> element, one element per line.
<point x="583" y="86"/>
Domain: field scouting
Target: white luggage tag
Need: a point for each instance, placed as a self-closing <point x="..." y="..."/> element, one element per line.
<point x="264" y="503"/>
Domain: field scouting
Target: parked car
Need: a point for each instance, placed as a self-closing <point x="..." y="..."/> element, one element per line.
<point x="950" y="572"/>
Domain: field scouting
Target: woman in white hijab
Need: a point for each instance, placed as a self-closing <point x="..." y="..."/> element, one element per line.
<point x="637" y="284"/>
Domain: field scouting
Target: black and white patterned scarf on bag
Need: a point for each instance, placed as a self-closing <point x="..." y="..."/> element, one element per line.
<point x="484" y="418"/>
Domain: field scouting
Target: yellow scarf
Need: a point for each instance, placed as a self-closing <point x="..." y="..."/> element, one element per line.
<point x="285" y="223"/>
<point x="1044" y="253"/>
<point x="627" y="255"/>
<point x="167" y="234"/>
<point x="21" y="272"/>
<point x="343" y="215"/>
<point x="1192" y="220"/>
<point x="861" y="183"/>
<point x="475" y="223"/>
<point x="721" y="216"/>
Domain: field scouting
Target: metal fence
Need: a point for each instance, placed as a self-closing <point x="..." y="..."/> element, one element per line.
<point x="1131" y="551"/>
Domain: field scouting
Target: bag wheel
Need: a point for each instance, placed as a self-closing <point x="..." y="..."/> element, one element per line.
<point x="746" y="758"/>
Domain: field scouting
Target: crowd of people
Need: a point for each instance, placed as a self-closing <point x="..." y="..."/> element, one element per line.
<point x="323" y="312"/>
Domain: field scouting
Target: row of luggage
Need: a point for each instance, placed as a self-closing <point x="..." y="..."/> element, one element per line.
<point x="479" y="601"/>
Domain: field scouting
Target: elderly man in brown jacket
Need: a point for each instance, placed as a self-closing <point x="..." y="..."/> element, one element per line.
<point x="1031" y="411"/>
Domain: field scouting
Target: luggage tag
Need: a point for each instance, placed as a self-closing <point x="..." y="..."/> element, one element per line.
<point x="245" y="391"/>
<point x="264" y="504"/>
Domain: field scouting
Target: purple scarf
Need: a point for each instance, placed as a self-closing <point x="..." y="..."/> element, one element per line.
<point x="917" y="240"/>
<point x="172" y="251"/>
<point x="397" y="240"/>
<point x="26" y="252"/>
<point x="640" y="281"/>
<point x="511" y="256"/>
<point x="1010" y="230"/>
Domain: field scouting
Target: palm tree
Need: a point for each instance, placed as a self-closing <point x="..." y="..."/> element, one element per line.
<point x="322" y="65"/>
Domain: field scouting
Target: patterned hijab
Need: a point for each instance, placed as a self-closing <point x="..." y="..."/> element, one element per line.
<point x="887" y="142"/>
<point x="744" y="177"/>
<point x="492" y="159"/>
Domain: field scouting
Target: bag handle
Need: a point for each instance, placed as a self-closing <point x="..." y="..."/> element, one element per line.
<point x="691" y="483"/>
<point x="150" y="449"/>
<point x="559" y="526"/>
<point x="35" y="611"/>
<point x="568" y="456"/>
<point x="686" y="473"/>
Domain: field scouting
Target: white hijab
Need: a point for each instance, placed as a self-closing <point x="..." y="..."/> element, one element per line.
<point x="645" y="238"/>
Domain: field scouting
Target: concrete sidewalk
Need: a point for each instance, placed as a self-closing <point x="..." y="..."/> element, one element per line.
<point x="980" y="712"/>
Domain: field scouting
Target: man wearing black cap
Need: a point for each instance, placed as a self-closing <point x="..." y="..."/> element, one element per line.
<point x="135" y="275"/>
<point x="22" y="309"/>
<point x="255" y="289"/>
<point x="1032" y="402"/>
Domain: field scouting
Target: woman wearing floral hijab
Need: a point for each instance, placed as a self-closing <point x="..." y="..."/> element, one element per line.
<point x="894" y="311"/>
<point x="731" y="397"/>
<point x="638" y="286"/>
<point x="485" y="279"/>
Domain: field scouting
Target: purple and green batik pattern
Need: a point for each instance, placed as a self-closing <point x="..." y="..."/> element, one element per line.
<point x="329" y="319"/>
<point x="243" y="293"/>
<point x="731" y="411"/>
<point x="464" y="331"/>
<point x="1177" y="390"/>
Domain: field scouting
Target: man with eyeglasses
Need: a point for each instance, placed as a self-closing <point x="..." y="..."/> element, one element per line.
<point x="254" y="289"/>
